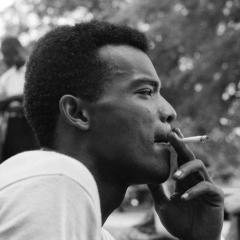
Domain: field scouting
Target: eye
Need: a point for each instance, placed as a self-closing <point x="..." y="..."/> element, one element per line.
<point x="146" y="92"/>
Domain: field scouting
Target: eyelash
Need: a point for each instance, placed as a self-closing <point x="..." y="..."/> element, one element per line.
<point x="146" y="91"/>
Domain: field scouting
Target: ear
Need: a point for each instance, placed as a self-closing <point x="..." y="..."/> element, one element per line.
<point x="74" y="112"/>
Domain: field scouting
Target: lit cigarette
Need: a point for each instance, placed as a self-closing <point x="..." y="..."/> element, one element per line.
<point x="195" y="139"/>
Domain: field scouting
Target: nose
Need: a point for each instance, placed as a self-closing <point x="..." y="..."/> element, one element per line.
<point x="166" y="112"/>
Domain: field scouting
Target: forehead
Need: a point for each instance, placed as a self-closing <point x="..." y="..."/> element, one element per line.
<point x="128" y="64"/>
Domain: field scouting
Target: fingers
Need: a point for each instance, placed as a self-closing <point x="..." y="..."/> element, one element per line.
<point x="190" y="168"/>
<point x="178" y="132"/>
<point x="188" y="188"/>
<point x="184" y="153"/>
<point x="189" y="175"/>
<point x="158" y="193"/>
<point x="204" y="189"/>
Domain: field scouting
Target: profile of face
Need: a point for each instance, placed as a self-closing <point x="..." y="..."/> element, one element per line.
<point x="131" y="119"/>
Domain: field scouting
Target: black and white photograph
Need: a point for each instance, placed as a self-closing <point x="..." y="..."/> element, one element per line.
<point x="119" y="120"/>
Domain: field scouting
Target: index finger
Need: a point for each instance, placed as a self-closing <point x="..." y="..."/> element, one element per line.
<point x="184" y="153"/>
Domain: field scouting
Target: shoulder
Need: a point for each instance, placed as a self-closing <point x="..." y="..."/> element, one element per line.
<point x="47" y="192"/>
<point x="42" y="163"/>
<point x="54" y="194"/>
<point x="106" y="235"/>
<point x="8" y="73"/>
<point x="52" y="207"/>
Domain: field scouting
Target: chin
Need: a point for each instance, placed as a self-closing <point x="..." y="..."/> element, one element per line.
<point x="155" y="175"/>
<point x="161" y="178"/>
<point x="160" y="173"/>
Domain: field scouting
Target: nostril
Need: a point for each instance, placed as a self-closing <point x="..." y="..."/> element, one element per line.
<point x="170" y="118"/>
<point x="167" y="119"/>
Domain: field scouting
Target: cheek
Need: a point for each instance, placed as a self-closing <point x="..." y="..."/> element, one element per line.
<point x="147" y="119"/>
<point x="144" y="125"/>
<point x="109" y="130"/>
<point x="121" y="128"/>
<point x="123" y="117"/>
<point x="138" y="125"/>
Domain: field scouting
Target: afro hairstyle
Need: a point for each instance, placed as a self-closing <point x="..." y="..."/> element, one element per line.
<point x="66" y="61"/>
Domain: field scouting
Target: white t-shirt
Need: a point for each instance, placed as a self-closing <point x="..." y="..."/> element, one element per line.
<point x="47" y="195"/>
<point x="12" y="82"/>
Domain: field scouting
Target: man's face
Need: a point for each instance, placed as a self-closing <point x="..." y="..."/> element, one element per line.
<point x="131" y="118"/>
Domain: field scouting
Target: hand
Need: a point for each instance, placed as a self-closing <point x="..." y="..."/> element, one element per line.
<point x="195" y="211"/>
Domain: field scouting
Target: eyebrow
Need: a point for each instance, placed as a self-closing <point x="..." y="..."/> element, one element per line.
<point x="141" y="81"/>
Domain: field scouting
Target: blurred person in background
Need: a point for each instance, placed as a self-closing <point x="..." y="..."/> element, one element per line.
<point x="16" y="135"/>
<point x="232" y="206"/>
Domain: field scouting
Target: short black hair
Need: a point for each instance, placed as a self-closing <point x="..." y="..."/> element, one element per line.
<point x="66" y="61"/>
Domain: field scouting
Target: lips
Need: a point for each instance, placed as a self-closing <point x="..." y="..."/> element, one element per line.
<point x="160" y="139"/>
<point x="161" y="134"/>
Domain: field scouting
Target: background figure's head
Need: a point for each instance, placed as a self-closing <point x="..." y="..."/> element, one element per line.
<point x="66" y="61"/>
<point x="14" y="54"/>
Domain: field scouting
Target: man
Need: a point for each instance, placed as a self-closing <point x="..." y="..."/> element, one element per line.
<point x="16" y="135"/>
<point x="12" y="81"/>
<point x="93" y="98"/>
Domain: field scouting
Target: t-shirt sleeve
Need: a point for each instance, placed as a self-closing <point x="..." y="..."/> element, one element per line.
<point x="106" y="235"/>
<point x="48" y="207"/>
<point x="3" y="93"/>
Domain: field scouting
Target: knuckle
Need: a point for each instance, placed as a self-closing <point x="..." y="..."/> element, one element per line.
<point x="204" y="185"/>
<point x="200" y="164"/>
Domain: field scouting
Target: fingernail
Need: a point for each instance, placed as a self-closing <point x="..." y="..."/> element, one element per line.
<point x="185" y="196"/>
<point x="178" y="173"/>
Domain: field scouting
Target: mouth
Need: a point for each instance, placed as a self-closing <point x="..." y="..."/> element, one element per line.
<point x="161" y="139"/>
<point x="161" y="135"/>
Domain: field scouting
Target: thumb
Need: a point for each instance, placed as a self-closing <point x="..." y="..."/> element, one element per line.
<point x="158" y="194"/>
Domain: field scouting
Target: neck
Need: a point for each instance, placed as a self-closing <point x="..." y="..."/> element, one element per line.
<point x="111" y="193"/>
<point x="111" y="189"/>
